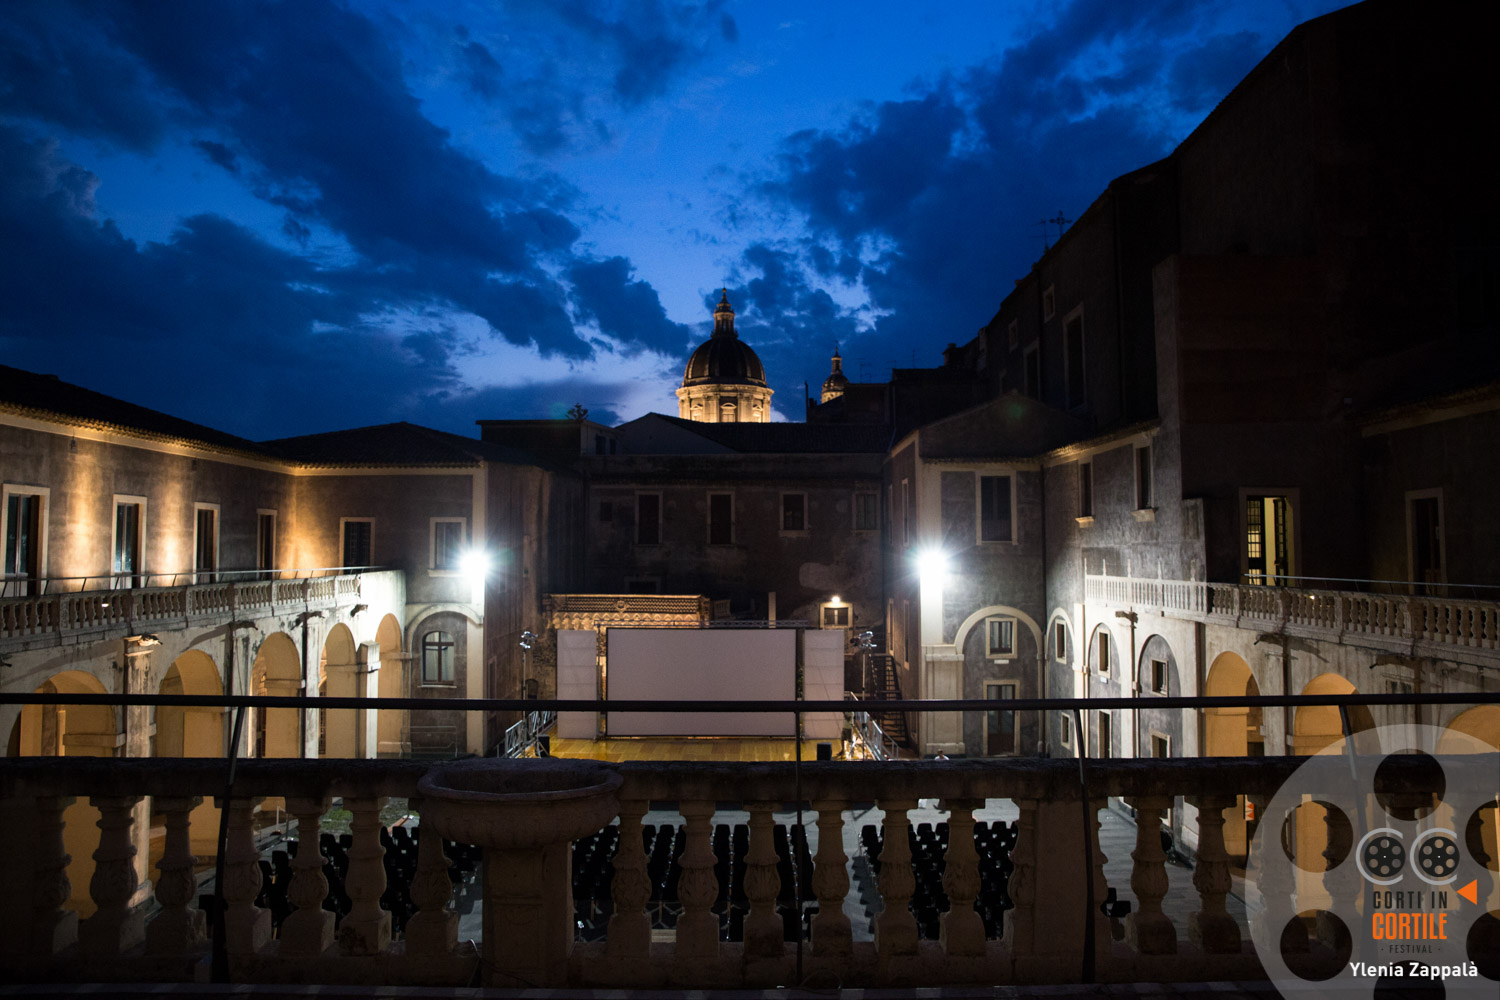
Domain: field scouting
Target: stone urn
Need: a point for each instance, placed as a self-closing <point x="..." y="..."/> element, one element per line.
<point x="525" y="814"/>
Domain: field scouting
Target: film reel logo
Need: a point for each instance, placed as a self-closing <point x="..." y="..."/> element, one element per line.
<point x="1354" y="887"/>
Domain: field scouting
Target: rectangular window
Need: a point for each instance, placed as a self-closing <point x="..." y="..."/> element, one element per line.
<point x="794" y="512"/>
<point x="1104" y="652"/>
<point x="721" y="519"/>
<point x="1059" y="641"/>
<point x="1073" y="360"/>
<point x="1106" y="738"/>
<point x="999" y="724"/>
<point x="1159" y="676"/>
<point x="994" y="509"/>
<point x="1065" y="728"/>
<point x="835" y="615"/>
<point x="1161" y="746"/>
<point x="1000" y="637"/>
<point x="1143" y="492"/>
<point x="265" y="542"/>
<point x="358" y="541"/>
<point x="437" y="658"/>
<point x="648" y="518"/>
<point x="125" y="563"/>
<point x="1032" y="365"/>
<point x="25" y="524"/>
<point x="205" y="542"/>
<point x="866" y="511"/>
<point x="1085" y="489"/>
<point x="908" y="516"/>
<point x="448" y="543"/>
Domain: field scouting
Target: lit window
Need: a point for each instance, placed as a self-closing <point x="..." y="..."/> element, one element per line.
<point x="437" y="658"/>
<point x="836" y="616"/>
<point x="794" y="512"/>
<point x="994" y="509"/>
<point x="1000" y="637"/>
<point x="25" y="541"/>
<point x="206" y="542"/>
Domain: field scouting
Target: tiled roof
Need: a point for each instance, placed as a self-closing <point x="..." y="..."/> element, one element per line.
<point x="29" y="393"/>
<point x="398" y="444"/>
<point x="791" y="438"/>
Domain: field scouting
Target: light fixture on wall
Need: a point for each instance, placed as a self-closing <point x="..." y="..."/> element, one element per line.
<point x="144" y="639"/>
<point x="357" y="609"/>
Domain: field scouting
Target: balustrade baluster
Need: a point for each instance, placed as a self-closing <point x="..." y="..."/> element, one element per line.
<point x="962" y="928"/>
<point x="1211" y="927"/>
<point x="366" y="930"/>
<point x="697" y="888"/>
<point x="247" y="927"/>
<point x="831" y="931"/>
<point x="432" y="932"/>
<point x="896" y="928"/>
<point x="178" y="928"/>
<point x="1148" y="928"/>
<point x="763" y="931"/>
<point x="1020" y="932"/>
<point x="308" y="930"/>
<point x="115" y="926"/>
<point x="629" y="933"/>
<point x="53" y="927"/>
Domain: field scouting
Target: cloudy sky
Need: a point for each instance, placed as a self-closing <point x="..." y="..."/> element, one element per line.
<point x="280" y="218"/>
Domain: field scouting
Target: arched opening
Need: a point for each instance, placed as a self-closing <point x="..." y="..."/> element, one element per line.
<point x="1468" y="732"/>
<point x="1233" y="731"/>
<point x="277" y="671"/>
<point x="1315" y="727"/>
<point x="338" y="673"/>
<point x="392" y="723"/>
<point x="195" y="731"/>
<point x="72" y="731"/>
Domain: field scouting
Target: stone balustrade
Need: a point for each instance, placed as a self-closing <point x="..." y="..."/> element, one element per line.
<point x="74" y="615"/>
<point x="1444" y="623"/>
<point x="528" y="925"/>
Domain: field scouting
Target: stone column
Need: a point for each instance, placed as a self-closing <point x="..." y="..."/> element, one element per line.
<point x="308" y="930"/>
<point x="962" y="928"/>
<point x="1212" y="928"/>
<point x="115" y="927"/>
<point x="895" y="927"/>
<point x="1147" y="927"/>
<point x="179" y="928"/>
<point x="831" y="933"/>
<point x="366" y="929"/>
<point x="697" y="888"/>
<point x="629" y="928"/>
<point x="763" y="931"/>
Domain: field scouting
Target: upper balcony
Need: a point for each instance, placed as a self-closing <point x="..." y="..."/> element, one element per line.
<point x="89" y="609"/>
<point x="1409" y="624"/>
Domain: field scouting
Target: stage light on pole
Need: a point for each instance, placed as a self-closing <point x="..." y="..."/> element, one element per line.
<point x="475" y="565"/>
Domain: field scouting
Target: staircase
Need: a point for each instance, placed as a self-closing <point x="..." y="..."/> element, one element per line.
<point x="887" y="687"/>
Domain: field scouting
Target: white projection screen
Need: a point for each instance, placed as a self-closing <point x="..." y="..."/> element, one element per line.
<point x="711" y="664"/>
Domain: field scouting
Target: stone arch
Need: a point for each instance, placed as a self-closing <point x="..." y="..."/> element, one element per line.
<point x="194" y="731"/>
<point x="1317" y="726"/>
<point x="277" y="671"/>
<point x="1233" y="731"/>
<point x="997" y="609"/>
<point x="338" y="670"/>
<point x="72" y="731"/>
<point x="1480" y="724"/>
<point x="1092" y="653"/>
<point x="391" y="724"/>
<point x="417" y="623"/>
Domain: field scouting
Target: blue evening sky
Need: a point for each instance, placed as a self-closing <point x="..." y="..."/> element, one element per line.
<point x="280" y="218"/>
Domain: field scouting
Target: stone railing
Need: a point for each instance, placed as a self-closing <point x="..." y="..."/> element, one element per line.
<point x="83" y="613"/>
<point x="1317" y="614"/>
<point x="524" y="813"/>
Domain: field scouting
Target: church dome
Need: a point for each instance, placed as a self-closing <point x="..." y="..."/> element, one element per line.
<point x="724" y="359"/>
<point x="835" y="384"/>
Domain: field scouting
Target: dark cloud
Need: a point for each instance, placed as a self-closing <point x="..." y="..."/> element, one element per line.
<point x="932" y="203"/>
<point x="652" y="41"/>
<point x="481" y="71"/>
<point x="218" y="153"/>
<point x="626" y="310"/>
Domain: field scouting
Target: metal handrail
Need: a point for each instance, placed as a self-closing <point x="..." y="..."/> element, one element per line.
<point x="189" y="578"/>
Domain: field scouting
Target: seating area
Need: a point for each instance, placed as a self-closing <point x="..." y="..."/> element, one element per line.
<point x="928" y="844"/>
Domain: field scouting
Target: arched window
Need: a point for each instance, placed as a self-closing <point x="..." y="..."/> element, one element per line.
<point x="437" y="658"/>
